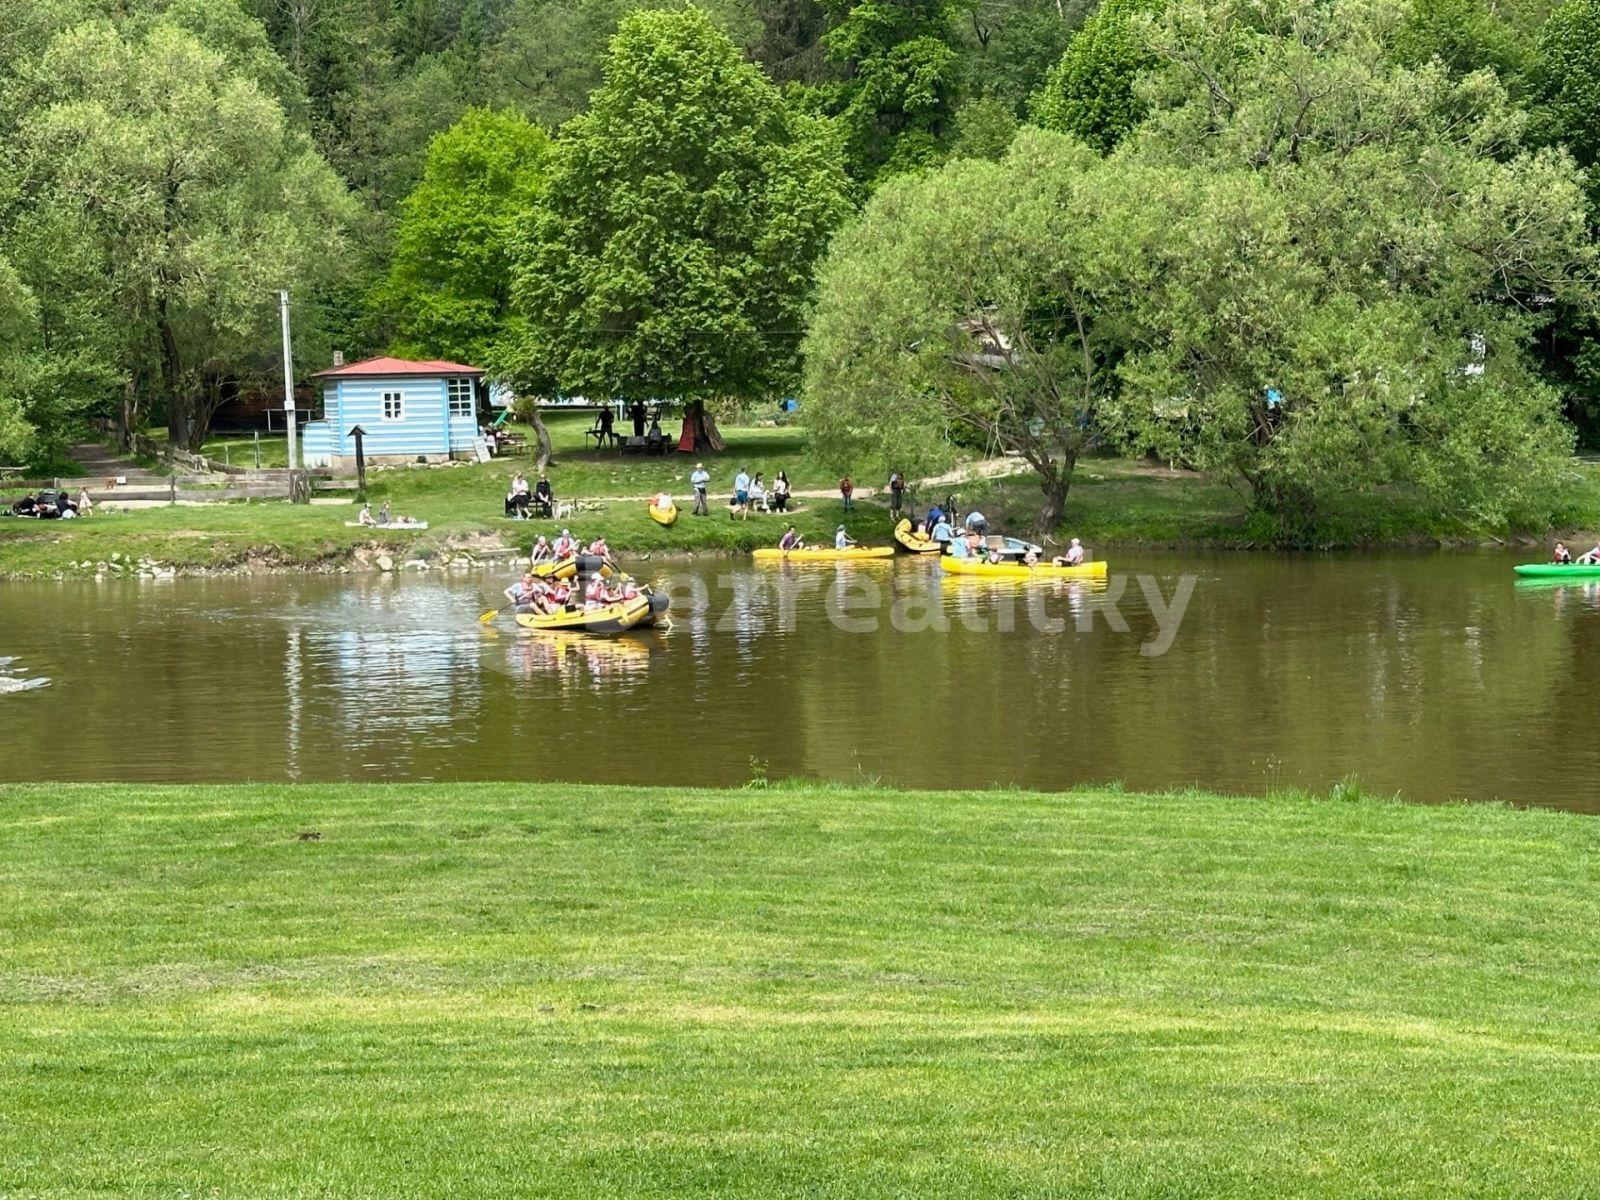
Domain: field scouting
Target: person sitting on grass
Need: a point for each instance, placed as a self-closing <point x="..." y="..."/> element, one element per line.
<point x="842" y="540"/>
<point x="791" y="540"/>
<point x="28" y="506"/>
<point x="365" y="517"/>
<point x="384" y="516"/>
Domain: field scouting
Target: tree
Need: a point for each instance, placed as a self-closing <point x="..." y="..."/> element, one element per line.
<point x="1090" y="93"/>
<point x="1347" y="294"/>
<point x="901" y="73"/>
<point x="1465" y="36"/>
<point x="449" y="282"/>
<point x="984" y="298"/>
<point x="1565" y="82"/>
<point x="177" y="186"/>
<point x="670" y="255"/>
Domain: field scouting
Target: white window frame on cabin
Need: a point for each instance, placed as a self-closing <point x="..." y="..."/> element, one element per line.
<point x="467" y="397"/>
<point x="399" y="400"/>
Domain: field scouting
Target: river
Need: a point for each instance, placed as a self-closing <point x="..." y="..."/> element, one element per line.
<point x="1428" y="675"/>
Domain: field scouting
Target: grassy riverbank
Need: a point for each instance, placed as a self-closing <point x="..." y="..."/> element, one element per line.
<point x="565" y="991"/>
<point x="1113" y="502"/>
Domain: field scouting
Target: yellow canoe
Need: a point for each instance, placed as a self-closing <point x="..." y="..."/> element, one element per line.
<point x="824" y="554"/>
<point x="1016" y="570"/>
<point x="664" y="516"/>
<point x="610" y="618"/>
<point x="912" y="542"/>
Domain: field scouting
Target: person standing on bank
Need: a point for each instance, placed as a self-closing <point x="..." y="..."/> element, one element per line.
<point x="897" y="495"/>
<point x="700" y="480"/>
<point x="847" y="489"/>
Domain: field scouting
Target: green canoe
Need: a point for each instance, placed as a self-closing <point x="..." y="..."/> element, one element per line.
<point x="1558" y="570"/>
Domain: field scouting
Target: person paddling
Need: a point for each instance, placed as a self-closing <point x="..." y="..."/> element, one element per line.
<point x="842" y="540"/>
<point x="565" y="546"/>
<point x="791" y="540"/>
<point x="521" y="593"/>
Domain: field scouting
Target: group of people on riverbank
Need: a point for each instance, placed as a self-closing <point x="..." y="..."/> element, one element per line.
<point x="751" y="493"/>
<point x="51" y="506"/>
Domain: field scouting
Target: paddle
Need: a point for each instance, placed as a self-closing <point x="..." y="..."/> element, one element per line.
<point x="494" y="612"/>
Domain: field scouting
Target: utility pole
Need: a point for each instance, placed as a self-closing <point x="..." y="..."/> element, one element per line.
<point x="288" y="385"/>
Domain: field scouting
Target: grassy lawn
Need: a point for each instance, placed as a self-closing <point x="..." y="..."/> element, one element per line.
<point x="506" y="991"/>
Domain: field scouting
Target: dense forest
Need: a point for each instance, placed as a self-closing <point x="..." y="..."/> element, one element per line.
<point x="1313" y="243"/>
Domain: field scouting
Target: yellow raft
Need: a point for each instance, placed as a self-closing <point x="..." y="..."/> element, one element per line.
<point x="824" y="554"/>
<point x="566" y="568"/>
<point x="664" y="516"/>
<point x="638" y="613"/>
<point x="913" y="542"/>
<point x="1016" y="570"/>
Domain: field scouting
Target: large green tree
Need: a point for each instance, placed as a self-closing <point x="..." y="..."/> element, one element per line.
<point x="985" y="302"/>
<point x="169" y="185"/>
<point x="901" y="80"/>
<point x="1091" y="92"/>
<point x="1349" y="292"/>
<point x="671" y="252"/>
<point x="449" y="282"/>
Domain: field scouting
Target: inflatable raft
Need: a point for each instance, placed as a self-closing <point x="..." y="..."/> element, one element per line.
<point x="912" y="542"/>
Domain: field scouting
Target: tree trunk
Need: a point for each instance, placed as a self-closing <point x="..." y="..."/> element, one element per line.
<point x="542" y="455"/>
<point x="171" y="372"/>
<point x="128" y="413"/>
<point x="1055" y="482"/>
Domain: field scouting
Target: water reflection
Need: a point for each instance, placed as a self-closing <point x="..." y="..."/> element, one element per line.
<point x="1431" y="676"/>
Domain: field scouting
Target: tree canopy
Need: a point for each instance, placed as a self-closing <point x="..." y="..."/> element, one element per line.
<point x="670" y="254"/>
<point x="449" y="283"/>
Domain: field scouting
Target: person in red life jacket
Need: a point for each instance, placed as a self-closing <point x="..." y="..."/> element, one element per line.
<point x="559" y="595"/>
<point x="595" y="595"/>
<point x="1563" y="556"/>
<point x="598" y="546"/>
<point x="566" y="546"/>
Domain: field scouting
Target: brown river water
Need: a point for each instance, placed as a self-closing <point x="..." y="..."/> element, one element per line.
<point x="1432" y="676"/>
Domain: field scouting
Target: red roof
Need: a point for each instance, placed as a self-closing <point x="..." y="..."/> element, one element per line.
<point x="397" y="366"/>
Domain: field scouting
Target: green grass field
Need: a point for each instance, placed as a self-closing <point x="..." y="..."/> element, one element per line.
<point x="508" y="991"/>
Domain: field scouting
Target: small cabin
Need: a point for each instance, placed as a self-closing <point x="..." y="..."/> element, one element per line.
<point x="408" y="412"/>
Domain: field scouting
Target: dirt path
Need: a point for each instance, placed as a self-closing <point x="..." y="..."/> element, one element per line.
<point x="985" y="468"/>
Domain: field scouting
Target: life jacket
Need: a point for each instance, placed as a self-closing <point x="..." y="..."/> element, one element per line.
<point x="597" y="591"/>
<point x="564" y="547"/>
